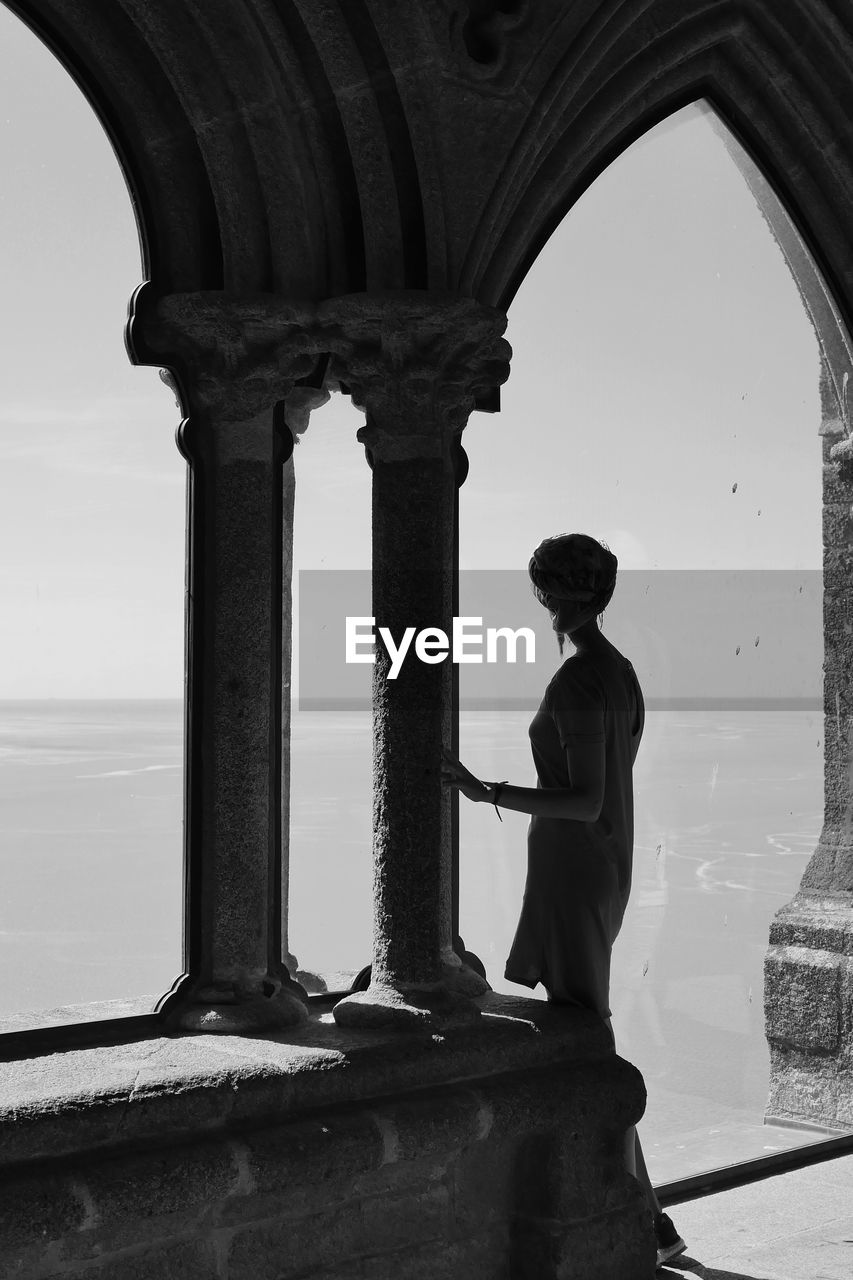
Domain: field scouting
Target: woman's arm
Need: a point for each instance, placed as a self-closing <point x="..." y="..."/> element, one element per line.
<point x="548" y="802"/>
<point x="581" y="802"/>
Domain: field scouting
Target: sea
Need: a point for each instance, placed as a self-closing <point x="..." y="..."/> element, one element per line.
<point x="728" y="810"/>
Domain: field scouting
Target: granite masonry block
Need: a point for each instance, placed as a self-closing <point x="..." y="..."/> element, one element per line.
<point x="410" y="1218"/>
<point x="804" y="1086"/>
<point x="430" y="1126"/>
<point x="602" y="1249"/>
<point x="160" y="1184"/>
<point x="336" y="1144"/>
<point x="482" y="1181"/>
<point x="36" y="1209"/>
<point x="802" y="998"/>
<point x="181" y="1260"/>
<point x="285" y="1250"/>
<point x="481" y="1257"/>
<point x="816" y="923"/>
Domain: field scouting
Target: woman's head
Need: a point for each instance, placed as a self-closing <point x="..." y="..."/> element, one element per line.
<point x="574" y="575"/>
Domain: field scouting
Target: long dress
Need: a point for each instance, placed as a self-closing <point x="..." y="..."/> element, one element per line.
<point x="579" y="873"/>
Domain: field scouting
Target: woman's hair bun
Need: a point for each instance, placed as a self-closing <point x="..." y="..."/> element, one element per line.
<point x="573" y="566"/>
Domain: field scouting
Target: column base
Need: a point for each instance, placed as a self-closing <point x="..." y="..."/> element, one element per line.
<point x="213" y="1011"/>
<point x="808" y="1004"/>
<point x="296" y="988"/>
<point x="409" y="1008"/>
<point x="311" y="983"/>
<point x="458" y="976"/>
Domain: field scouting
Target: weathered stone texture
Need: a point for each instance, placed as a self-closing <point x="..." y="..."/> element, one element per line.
<point x="288" y="1247"/>
<point x="451" y="1180"/>
<point x="410" y="1217"/>
<point x="838" y="524"/>
<point x="808" y="997"/>
<point x="802" y="995"/>
<point x="37" y="1210"/>
<point x="595" y="1250"/>
<point x="181" y="1260"/>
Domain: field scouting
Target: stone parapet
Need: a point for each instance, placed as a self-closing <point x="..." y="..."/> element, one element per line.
<point x="152" y="1090"/>
<point x="493" y="1150"/>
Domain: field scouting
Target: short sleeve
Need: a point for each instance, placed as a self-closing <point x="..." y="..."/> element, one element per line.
<point x="576" y="705"/>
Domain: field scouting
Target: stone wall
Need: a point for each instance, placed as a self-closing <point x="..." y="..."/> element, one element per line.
<point x="208" y="1161"/>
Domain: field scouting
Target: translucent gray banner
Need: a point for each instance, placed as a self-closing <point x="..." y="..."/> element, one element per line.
<point x="750" y="638"/>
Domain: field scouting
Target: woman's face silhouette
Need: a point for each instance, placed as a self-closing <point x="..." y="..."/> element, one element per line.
<point x="568" y="615"/>
<point x="570" y="618"/>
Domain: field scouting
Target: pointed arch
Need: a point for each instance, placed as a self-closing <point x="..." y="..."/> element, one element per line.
<point x="774" y="78"/>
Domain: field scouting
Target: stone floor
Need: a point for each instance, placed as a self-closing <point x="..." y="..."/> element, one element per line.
<point x="795" y="1226"/>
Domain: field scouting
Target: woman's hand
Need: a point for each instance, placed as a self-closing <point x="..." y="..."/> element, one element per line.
<point x="454" y="774"/>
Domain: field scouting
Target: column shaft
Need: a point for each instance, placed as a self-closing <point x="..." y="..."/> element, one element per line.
<point x="232" y="361"/>
<point x="234" y="897"/>
<point x="415" y="363"/>
<point x="411" y="588"/>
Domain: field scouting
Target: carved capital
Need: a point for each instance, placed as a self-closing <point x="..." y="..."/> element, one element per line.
<point x="415" y="362"/>
<point x="234" y="357"/>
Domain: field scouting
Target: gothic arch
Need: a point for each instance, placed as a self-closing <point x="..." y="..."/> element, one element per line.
<point x="267" y="148"/>
<point x="775" y="79"/>
<point x="105" y="54"/>
<point x="313" y="150"/>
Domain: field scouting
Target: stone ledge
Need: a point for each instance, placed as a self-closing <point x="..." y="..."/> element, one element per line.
<point x="163" y="1089"/>
<point x="93" y="1011"/>
<point x="821" y="922"/>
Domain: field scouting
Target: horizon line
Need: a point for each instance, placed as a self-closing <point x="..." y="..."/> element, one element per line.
<point x="675" y="703"/>
<point x="652" y="703"/>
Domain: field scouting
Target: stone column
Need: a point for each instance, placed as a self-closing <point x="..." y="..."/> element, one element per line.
<point x="232" y="364"/>
<point x="808" y="989"/>
<point x="415" y="362"/>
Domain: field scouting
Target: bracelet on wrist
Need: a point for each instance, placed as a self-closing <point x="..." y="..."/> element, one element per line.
<point x="498" y="786"/>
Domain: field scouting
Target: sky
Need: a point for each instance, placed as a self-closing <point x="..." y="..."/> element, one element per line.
<point x="663" y="397"/>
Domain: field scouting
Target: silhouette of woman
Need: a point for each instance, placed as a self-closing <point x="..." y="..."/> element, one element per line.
<point x="584" y="738"/>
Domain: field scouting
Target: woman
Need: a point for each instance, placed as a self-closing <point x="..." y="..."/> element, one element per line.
<point x="584" y="737"/>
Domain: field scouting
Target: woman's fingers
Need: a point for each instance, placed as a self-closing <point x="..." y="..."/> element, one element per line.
<point x="454" y="773"/>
